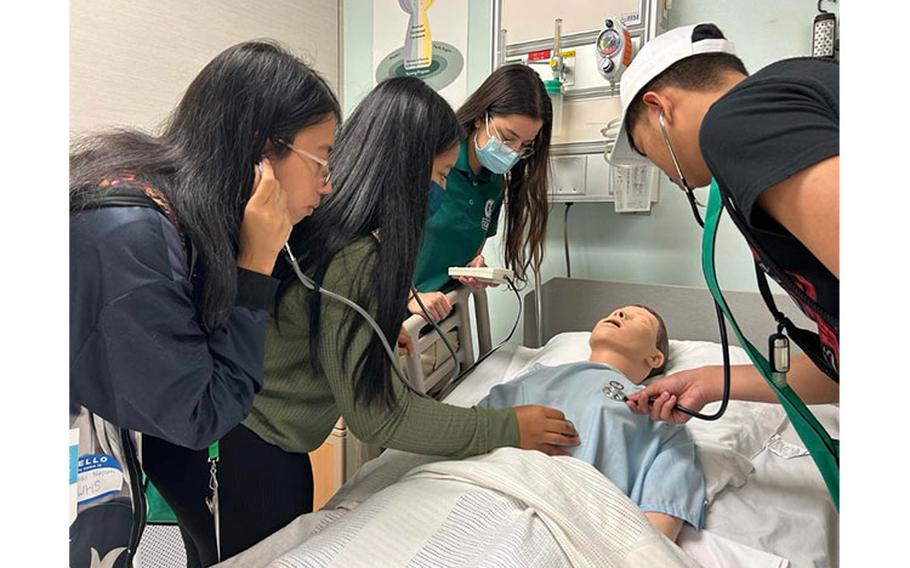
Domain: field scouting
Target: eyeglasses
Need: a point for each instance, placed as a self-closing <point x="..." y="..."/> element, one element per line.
<point x="523" y="151"/>
<point x="323" y="171"/>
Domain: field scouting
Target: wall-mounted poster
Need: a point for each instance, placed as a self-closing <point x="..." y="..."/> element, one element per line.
<point x="425" y="39"/>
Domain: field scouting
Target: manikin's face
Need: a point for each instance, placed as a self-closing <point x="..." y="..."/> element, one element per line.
<point x="631" y="331"/>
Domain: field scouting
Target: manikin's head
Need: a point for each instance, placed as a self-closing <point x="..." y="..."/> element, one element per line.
<point x="634" y="340"/>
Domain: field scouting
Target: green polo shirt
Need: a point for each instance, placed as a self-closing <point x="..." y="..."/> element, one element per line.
<point x="468" y="215"/>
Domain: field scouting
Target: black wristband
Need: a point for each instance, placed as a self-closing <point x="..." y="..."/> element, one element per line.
<point x="254" y="290"/>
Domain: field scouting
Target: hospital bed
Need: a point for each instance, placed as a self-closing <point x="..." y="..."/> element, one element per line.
<point x="769" y="506"/>
<point x="342" y="455"/>
<point x="566" y="305"/>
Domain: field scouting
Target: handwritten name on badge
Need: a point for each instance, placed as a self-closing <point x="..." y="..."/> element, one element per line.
<point x="98" y="475"/>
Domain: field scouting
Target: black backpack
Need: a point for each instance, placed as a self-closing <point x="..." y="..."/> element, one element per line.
<point x="112" y="507"/>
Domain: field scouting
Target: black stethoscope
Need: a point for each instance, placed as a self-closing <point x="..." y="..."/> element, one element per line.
<point x="721" y="324"/>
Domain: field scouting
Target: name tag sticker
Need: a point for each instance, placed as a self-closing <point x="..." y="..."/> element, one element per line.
<point x="74" y="471"/>
<point x="74" y="455"/>
<point x="99" y="475"/>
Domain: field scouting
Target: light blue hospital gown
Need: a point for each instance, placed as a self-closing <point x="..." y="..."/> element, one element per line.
<point x="653" y="463"/>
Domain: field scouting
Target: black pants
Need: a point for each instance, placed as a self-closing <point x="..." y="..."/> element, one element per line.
<point x="261" y="489"/>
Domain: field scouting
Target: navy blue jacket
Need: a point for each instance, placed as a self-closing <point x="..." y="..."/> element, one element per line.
<point x="139" y="357"/>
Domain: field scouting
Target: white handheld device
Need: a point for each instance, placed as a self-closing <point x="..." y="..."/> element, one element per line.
<point x="486" y="273"/>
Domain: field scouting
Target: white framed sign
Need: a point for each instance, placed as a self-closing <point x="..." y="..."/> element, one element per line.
<point x="427" y="39"/>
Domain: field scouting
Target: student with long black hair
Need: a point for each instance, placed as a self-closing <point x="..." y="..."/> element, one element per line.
<point x="173" y="239"/>
<point x="323" y="360"/>
<point x="503" y="163"/>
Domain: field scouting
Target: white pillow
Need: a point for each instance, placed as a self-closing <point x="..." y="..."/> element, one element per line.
<point x="568" y="347"/>
<point x="726" y="446"/>
<point x="745" y="427"/>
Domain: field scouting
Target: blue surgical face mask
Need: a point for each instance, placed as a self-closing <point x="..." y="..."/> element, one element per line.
<point x="495" y="155"/>
<point x="437" y="195"/>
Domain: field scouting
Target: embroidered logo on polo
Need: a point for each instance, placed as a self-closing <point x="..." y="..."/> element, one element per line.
<point x="487" y="214"/>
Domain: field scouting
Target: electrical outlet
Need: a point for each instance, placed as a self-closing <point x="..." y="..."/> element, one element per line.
<point x="569" y="175"/>
<point x="597" y="179"/>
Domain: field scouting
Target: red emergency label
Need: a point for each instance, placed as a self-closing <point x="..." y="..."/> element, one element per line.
<point x="542" y="55"/>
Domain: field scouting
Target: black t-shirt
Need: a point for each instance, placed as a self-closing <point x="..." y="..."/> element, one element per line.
<point x="774" y="124"/>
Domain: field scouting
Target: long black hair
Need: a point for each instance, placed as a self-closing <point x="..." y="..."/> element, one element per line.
<point x="249" y="95"/>
<point x="381" y="171"/>
<point x="517" y="89"/>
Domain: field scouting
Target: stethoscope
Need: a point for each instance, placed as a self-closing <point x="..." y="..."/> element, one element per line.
<point x="616" y="391"/>
<point x="824" y="450"/>
<point x="689" y="192"/>
<point x="721" y="324"/>
<point x="310" y="284"/>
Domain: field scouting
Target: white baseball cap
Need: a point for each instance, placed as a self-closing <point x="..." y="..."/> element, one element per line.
<point x="653" y="59"/>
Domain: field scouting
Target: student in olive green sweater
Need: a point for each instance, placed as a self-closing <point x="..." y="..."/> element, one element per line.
<point x="324" y="361"/>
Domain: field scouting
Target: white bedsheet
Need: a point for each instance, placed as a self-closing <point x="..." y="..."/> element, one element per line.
<point x="784" y="508"/>
<point x="500" y="510"/>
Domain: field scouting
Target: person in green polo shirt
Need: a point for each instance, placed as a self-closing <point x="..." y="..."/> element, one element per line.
<point x="503" y="163"/>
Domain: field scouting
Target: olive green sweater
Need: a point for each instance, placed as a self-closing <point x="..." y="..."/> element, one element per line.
<point x="297" y="407"/>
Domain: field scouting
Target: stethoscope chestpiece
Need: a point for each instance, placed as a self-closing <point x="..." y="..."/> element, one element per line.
<point x="615" y="390"/>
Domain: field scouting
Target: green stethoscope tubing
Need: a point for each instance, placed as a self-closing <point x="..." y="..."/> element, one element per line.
<point x="824" y="450"/>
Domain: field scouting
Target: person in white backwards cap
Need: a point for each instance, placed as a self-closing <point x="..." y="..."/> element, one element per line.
<point x="770" y="142"/>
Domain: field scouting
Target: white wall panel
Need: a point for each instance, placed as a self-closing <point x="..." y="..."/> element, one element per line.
<point x="130" y="61"/>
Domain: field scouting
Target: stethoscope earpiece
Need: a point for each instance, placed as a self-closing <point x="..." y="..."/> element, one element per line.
<point x="690" y="194"/>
